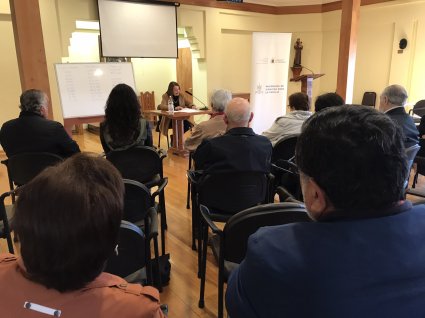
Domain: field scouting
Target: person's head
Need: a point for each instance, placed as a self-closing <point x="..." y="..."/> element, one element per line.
<point x="67" y="221"/>
<point x="35" y="101"/>
<point x="299" y="101"/>
<point x="327" y="100"/>
<point x="238" y="113"/>
<point x="350" y="158"/>
<point x="122" y="113"/>
<point x="173" y="89"/>
<point x="219" y="100"/>
<point x="392" y="96"/>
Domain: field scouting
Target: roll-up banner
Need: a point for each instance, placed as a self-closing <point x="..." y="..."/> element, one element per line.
<point x="270" y="65"/>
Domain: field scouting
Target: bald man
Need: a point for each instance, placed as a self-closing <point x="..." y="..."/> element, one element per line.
<point x="239" y="149"/>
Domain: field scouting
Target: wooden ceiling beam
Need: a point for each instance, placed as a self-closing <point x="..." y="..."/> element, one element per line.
<point x="282" y="10"/>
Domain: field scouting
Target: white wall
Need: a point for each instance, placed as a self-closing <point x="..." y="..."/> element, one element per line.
<point x="10" y="86"/>
<point x="222" y="43"/>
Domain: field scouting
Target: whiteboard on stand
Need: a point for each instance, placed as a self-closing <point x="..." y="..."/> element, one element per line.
<point x="85" y="87"/>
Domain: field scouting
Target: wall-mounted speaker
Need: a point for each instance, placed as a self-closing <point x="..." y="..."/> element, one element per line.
<point x="403" y="44"/>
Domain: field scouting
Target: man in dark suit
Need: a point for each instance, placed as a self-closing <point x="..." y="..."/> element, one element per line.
<point x="364" y="256"/>
<point x="239" y="149"/>
<point x="392" y="102"/>
<point x="33" y="132"/>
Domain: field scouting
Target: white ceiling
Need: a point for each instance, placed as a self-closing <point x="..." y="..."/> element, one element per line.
<point x="281" y="3"/>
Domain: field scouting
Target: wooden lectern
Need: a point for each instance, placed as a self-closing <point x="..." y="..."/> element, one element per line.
<point x="306" y="82"/>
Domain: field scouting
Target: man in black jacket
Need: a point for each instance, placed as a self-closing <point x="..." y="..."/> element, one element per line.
<point x="392" y="102"/>
<point x="239" y="149"/>
<point x="33" y="132"/>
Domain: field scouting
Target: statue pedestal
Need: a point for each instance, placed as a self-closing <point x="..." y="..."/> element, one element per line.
<point x="296" y="71"/>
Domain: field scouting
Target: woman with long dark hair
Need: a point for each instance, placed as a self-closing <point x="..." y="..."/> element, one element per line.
<point x="124" y="125"/>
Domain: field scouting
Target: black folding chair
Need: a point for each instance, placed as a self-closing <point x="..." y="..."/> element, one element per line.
<point x="226" y="194"/>
<point x="5" y="231"/>
<point x="132" y="257"/>
<point x="284" y="169"/>
<point x="233" y="239"/>
<point x="143" y="164"/>
<point x="22" y="168"/>
<point x="139" y="208"/>
<point x="418" y="110"/>
<point x="369" y="99"/>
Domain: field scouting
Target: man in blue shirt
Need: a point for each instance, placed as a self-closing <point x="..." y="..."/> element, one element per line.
<point x="365" y="254"/>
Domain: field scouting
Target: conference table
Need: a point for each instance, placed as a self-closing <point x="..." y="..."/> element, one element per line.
<point x="177" y="117"/>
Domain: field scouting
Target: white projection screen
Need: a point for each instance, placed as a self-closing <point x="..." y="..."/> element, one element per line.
<point x="137" y="29"/>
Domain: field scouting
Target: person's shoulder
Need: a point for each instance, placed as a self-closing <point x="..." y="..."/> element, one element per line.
<point x="263" y="139"/>
<point x="7" y="259"/>
<point x="138" y="290"/>
<point x="128" y="299"/>
<point x="10" y="123"/>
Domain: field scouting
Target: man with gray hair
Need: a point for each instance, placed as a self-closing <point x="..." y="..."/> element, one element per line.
<point x="33" y="132"/>
<point x="239" y="149"/>
<point x="392" y="101"/>
<point x="213" y="127"/>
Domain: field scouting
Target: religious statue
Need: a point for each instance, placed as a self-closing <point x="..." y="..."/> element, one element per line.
<point x="298" y="47"/>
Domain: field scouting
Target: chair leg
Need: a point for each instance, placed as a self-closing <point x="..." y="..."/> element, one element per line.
<point x="159" y="139"/>
<point x="415" y="180"/>
<point x="188" y="195"/>
<point x="8" y="238"/>
<point x="201" y="303"/>
<point x="195" y="215"/>
<point x="202" y="237"/>
<point x="149" y="274"/>
<point x="188" y="183"/>
<point x="158" y="282"/>
<point x="163" y="221"/>
<point x="220" y="293"/>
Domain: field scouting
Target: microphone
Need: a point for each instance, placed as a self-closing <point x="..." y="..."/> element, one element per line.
<point x="308" y="69"/>
<point x="196" y="98"/>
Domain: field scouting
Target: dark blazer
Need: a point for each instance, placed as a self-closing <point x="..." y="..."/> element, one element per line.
<point x="349" y="268"/>
<point x="239" y="149"/>
<point x="406" y="123"/>
<point x="32" y="132"/>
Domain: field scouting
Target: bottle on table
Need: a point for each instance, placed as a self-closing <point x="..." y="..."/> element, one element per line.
<point x="170" y="105"/>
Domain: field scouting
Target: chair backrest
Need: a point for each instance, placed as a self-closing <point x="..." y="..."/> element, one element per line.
<point x="240" y="226"/>
<point x="147" y="100"/>
<point x="139" y="163"/>
<point x="285" y="148"/>
<point x="23" y="167"/>
<point x="137" y="201"/>
<point x="131" y="251"/>
<point x="419" y="108"/>
<point x="232" y="192"/>
<point x="410" y="155"/>
<point x="369" y="98"/>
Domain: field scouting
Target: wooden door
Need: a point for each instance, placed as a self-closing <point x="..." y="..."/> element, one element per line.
<point x="184" y="71"/>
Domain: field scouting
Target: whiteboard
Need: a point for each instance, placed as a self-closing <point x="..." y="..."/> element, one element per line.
<point x="85" y="87"/>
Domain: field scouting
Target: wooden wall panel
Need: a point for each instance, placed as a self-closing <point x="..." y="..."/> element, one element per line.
<point x="29" y="44"/>
<point x="184" y="72"/>
<point x="348" y="49"/>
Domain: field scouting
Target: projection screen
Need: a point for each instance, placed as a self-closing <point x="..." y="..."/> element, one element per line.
<point x="137" y="29"/>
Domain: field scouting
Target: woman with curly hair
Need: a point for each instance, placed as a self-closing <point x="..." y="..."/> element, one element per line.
<point x="124" y="125"/>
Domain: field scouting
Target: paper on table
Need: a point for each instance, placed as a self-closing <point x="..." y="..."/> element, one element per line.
<point x="186" y="110"/>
